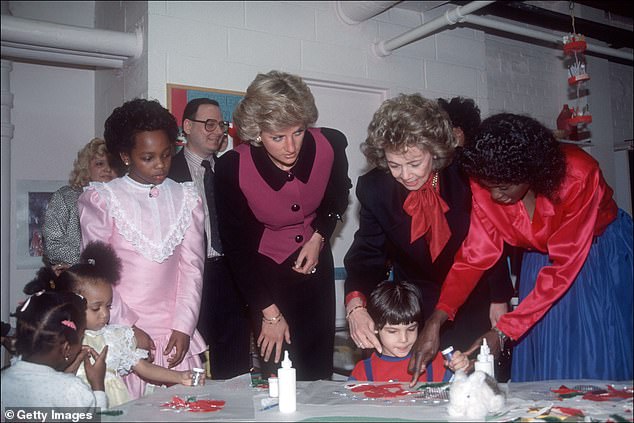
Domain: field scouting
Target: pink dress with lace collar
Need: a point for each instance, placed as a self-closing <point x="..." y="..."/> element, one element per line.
<point x="159" y="240"/>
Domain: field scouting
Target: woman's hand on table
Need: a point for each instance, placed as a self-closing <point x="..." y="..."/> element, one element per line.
<point x="426" y="346"/>
<point x="308" y="257"/>
<point x="180" y="342"/>
<point x="273" y="334"/>
<point x="362" y="329"/>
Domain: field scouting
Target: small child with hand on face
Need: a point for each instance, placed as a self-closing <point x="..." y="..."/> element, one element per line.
<point x="395" y="308"/>
<point x="92" y="278"/>
<point x="50" y="326"/>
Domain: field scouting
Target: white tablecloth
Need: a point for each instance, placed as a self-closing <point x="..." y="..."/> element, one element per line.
<point x="332" y="401"/>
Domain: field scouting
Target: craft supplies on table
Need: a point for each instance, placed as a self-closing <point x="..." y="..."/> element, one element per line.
<point x="575" y="400"/>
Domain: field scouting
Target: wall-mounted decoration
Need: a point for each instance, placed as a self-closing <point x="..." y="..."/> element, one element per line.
<point x="179" y="95"/>
<point x="32" y="199"/>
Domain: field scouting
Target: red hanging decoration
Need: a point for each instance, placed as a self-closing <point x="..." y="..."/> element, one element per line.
<point x="574" y="46"/>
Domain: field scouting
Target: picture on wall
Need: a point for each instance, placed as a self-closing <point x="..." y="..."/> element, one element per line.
<point x="179" y="95"/>
<point x="32" y="199"/>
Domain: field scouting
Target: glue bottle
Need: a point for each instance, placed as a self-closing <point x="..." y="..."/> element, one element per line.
<point x="287" y="379"/>
<point x="485" y="359"/>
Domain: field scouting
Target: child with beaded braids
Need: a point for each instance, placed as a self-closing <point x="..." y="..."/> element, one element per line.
<point x="50" y="326"/>
<point x="98" y="270"/>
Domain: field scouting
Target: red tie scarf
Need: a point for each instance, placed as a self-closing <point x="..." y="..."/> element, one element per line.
<point x="428" y="210"/>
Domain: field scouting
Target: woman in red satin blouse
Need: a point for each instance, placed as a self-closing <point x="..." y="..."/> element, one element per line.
<point x="575" y="316"/>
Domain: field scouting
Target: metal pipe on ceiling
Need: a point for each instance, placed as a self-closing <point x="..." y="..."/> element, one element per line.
<point x="61" y="57"/>
<point x="28" y="38"/>
<point x="451" y="17"/>
<point x="539" y="35"/>
<point x="355" y="12"/>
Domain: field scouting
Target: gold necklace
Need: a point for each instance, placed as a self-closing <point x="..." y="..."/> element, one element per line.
<point x="434" y="181"/>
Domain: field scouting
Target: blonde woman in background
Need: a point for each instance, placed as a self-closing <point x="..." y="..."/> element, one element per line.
<point x="61" y="231"/>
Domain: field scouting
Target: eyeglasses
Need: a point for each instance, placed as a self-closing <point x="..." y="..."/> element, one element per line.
<point x="212" y="124"/>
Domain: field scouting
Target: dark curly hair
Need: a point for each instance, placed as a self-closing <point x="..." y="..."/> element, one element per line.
<point x="514" y="149"/>
<point x="464" y="114"/>
<point x="136" y="116"/>
<point x="46" y="319"/>
<point x="98" y="262"/>
<point x="395" y="303"/>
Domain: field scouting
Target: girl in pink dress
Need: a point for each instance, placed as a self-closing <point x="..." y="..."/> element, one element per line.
<point x="155" y="225"/>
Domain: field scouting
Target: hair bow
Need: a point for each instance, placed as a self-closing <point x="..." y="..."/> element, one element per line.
<point x="69" y="324"/>
<point x="28" y="300"/>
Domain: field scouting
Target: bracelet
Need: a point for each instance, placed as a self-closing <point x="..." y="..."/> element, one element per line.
<point x="323" y="238"/>
<point x="355" y="294"/>
<point x="502" y="337"/>
<point x="272" y="320"/>
<point x="353" y="310"/>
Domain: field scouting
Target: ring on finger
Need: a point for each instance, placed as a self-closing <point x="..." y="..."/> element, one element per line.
<point x="314" y="269"/>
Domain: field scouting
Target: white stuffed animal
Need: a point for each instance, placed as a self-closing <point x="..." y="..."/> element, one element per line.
<point x="474" y="396"/>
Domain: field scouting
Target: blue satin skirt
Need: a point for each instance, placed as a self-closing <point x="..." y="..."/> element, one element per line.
<point x="587" y="334"/>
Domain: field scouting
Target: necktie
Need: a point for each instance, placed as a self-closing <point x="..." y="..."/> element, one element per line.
<point x="211" y="206"/>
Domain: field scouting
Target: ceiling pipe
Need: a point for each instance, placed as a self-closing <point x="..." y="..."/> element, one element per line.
<point x="539" y="35"/>
<point x="30" y="39"/>
<point x="61" y="57"/>
<point x="355" y="12"/>
<point x="451" y="17"/>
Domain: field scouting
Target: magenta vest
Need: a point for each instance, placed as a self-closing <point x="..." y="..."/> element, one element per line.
<point x="286" y="214"/>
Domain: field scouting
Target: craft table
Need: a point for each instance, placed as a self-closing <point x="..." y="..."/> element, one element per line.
<point x="334" y="401"/>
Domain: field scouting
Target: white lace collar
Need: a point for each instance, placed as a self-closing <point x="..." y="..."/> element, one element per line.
<point x="155" y="226"/>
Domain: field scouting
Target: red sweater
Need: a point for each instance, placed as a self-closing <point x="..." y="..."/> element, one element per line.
<point x="384" y="368"/>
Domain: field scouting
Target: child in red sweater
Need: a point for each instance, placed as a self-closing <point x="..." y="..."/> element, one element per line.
<point x="396" y="311"/>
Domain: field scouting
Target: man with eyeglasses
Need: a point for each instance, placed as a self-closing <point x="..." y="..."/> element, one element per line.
<point x="223" y="320"/>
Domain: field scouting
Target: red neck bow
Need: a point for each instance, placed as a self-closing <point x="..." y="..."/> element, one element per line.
<point x="428" y="210"/>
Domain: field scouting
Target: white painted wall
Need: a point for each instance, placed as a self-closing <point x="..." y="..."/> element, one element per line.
<point x="114" y="86"/>
<point x="53" y="114"/>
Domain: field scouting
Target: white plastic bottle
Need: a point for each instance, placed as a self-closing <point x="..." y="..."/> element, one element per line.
<point x="485" y="360"/>
<point x="287" y="378"/>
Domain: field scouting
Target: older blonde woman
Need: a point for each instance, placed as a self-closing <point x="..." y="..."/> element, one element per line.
<point x="61" y="231"/>
<point x="415" y="207"/>
<point x="279" y="197"/>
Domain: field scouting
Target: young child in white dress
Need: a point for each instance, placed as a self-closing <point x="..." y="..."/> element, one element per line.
<point x="50" y="326"/>
<point x="99" y="268"/>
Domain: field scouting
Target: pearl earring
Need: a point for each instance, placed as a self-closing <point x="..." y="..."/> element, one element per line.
<point x="67" y="358"/>
<point x="258" y="139"/>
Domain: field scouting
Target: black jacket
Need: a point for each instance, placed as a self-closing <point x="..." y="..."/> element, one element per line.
<point x="382" y="243"/>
